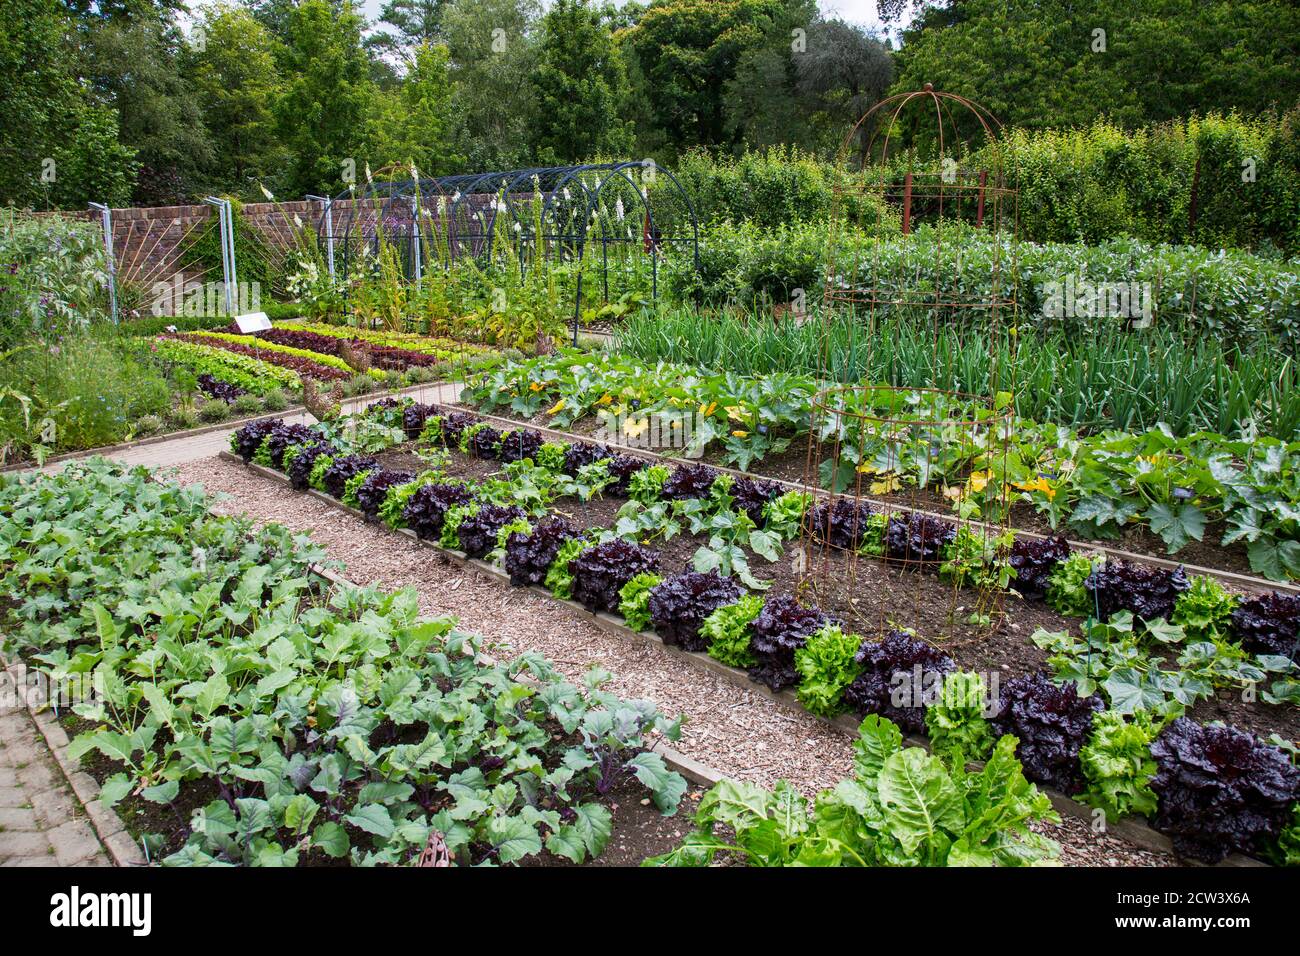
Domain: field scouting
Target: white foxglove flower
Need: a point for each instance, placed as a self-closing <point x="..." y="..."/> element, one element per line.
<point x="618" y="209"/>
<point x="266" y="192"/>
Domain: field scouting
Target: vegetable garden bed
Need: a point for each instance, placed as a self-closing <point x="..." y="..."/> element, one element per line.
<point x="1232" y="505"/>
<point x="1131" y="691"/>
<point x="1133" y="831"/>
<point x="301" y="719"/>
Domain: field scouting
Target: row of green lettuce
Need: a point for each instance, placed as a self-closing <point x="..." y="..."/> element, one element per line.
<point x="271" y="718"/>
<point x="1096" y="486"/>
<point x="1114" y="734"/>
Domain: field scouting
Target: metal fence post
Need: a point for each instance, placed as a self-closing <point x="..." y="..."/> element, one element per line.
<point x="329" y="228"/>
<point x="106" y="217"/>
<point x="225" y="219"/>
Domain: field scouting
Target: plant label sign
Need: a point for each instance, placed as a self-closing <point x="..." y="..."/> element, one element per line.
<point x="252" y="322"/>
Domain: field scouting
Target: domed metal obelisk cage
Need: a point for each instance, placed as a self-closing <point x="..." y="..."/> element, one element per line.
<point x="909" y="523"/>
<point x="594" y="231"/>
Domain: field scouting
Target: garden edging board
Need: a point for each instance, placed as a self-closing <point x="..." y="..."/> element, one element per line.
<point x="1132" y="830"/>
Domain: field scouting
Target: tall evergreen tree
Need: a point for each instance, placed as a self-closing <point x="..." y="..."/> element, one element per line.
<point x="581" y="88"/>
<point x="233" y="70"/>
<point x="324" y="111"/>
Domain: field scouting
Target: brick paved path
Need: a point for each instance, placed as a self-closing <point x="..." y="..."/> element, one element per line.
<point x="41" y="822"/>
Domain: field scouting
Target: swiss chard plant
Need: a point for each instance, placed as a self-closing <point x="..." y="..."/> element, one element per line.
<point x="902" y="807"/>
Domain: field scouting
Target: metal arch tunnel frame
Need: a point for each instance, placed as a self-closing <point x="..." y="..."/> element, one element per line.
<point x="553" y="181"/>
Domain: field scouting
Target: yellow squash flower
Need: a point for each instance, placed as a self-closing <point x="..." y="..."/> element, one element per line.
<point x="1038" y="484"/>
<point x="979" y="480"/>
<point x="605" y="399"/>
<point x="738" y="433"/>
<point x="535" y="386"/>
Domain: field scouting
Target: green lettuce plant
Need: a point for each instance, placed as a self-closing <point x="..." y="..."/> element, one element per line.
<point x="634" y="600"/>
<point x="956" y="721"/>
<point x="826" y="666"/>
<point x="1118" y="765"/>
<point x="727" y="631"/>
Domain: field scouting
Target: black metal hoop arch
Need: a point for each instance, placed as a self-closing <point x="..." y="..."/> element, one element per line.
<point x="466" y="207"/>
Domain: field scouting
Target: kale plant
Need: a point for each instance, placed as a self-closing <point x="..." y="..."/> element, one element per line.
<point x="1220" y="790"/>
<point x="1052" y="723"/>
<point x="899" y="677"/>
<point x="680" y="604"/>
<point x="599" y="573"/>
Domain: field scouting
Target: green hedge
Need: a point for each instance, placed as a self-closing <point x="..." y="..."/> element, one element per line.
<point x="1075" y="185"/>
<point x="1102" y="182"/>
<point x="772" y="189"/>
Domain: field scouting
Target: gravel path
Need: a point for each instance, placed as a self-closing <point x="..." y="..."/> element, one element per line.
<point x="743" y="734"/>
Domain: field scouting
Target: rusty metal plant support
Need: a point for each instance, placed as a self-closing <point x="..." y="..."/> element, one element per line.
<point x="925" y="449"/>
